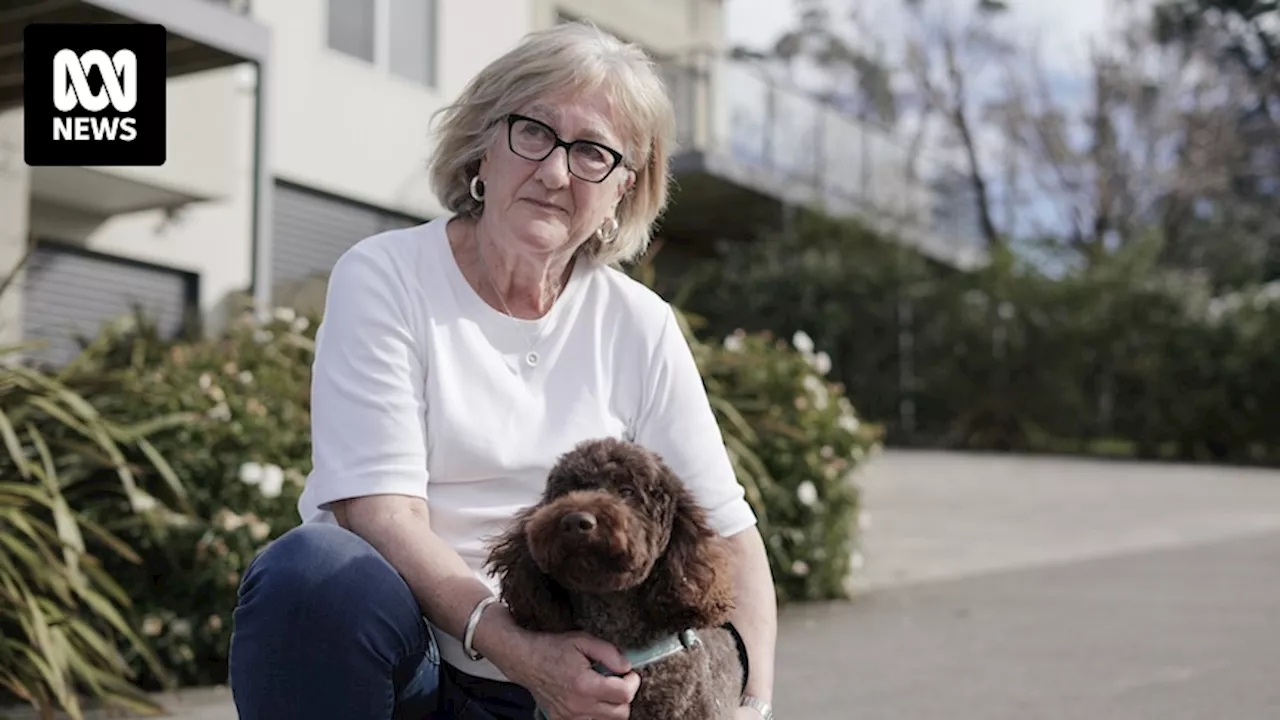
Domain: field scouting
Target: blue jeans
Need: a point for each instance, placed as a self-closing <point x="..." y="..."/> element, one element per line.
<point x="326" y="628"/>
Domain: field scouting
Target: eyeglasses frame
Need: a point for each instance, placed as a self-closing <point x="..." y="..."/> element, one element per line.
<point x="558" y="142"/>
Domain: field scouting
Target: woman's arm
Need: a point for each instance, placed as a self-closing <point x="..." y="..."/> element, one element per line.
<point x="369" y="429"/>
<point x="756" y="614"/>
<point x="398" y="527"/>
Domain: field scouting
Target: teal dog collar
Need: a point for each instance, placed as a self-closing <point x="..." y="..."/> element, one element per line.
<point x="664" y="648"/>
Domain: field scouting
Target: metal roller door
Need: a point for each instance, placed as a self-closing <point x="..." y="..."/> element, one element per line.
<point x="312" y="230"/>
<point x="70" y="293"/>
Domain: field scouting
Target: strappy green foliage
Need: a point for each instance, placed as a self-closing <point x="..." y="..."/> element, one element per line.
<point x="64" y="633"/>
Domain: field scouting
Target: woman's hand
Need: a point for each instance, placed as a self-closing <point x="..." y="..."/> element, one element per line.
<point x="556" y="669"/>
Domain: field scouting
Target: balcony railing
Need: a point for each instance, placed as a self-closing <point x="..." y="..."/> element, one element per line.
<point x="240" y="7"/>
<point x="731" y="108"/>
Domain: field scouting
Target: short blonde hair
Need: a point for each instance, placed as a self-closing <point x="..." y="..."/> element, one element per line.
<point x="575" y="57"/>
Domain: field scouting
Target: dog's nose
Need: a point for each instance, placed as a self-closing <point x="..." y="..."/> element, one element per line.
<point x="579" y="522"/>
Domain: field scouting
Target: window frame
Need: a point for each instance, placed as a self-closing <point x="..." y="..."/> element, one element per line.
<point x="382" y="43"/>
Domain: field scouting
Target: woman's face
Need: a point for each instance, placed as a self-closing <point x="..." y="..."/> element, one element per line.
<point x="540" y="202"/>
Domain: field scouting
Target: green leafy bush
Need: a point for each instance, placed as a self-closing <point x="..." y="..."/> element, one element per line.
<point x="1122" y="357"/>
<point x="797" y="444"/>
<point x="243" y="454"/>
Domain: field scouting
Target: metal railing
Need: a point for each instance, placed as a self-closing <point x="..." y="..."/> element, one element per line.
<point x="240" y="7"/>
<point x="731" y="107"/>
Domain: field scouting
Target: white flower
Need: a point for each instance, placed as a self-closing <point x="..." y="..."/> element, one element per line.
<point x="807" y="493"/>
<point x="246" y="377"/>
<point x="262" y="337"/>
<point x="220" y="412"/>
<point x="734" y="343"/>
<point x="818" y="390"/>
<point x="268" y="478"/>
<point x="849" y="423"/>
<point x="800" y="567"/>
<point x="821" y="363"/>
<point x="285" y="314"/>
<point x="251" y="473"/>
<point x="272" y="481"/>
<point x="180" y="627"/>
<point x="206" y="380"/>
<point x="301" y="324"/>
<point x="802" y="342"/>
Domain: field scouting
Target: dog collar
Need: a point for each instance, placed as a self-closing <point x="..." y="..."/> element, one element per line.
<point x="640" y="657"/>
<point x="660" y="650"/>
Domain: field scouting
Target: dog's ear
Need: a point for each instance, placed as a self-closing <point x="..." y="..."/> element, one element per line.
<point x="536" y="601"/>
<point x="691" y="584"/>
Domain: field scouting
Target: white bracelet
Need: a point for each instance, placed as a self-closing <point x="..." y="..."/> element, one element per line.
<point x="469" y="635"/>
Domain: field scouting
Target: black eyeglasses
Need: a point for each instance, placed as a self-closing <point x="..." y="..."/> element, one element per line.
<point x="535" y="140"/>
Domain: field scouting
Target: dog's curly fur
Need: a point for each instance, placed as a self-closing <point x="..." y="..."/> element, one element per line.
<point x="617" y="547"/>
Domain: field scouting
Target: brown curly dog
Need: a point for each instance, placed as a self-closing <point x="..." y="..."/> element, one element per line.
<point x="618" y="548"/>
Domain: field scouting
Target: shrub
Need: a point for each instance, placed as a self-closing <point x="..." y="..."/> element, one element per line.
<point x="797" y="443"/>
<point x="246" y="452"/>
<point x="244" y="455"/>
<point x="64" y="628"/>
<point x="1123" y="356"/>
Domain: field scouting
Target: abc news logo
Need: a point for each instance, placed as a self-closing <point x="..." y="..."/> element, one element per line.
<point x="94" y="94"/>
<point x="71" y="90"/>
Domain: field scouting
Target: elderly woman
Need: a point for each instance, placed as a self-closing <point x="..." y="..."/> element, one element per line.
<point x="456" y="361"/>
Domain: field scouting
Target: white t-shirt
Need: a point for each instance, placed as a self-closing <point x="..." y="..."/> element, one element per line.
<point x="420" y="388"/>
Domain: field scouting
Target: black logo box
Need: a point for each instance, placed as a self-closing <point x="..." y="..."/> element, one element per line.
<point x="41" y="42"/>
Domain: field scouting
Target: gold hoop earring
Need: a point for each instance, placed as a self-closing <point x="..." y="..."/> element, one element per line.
<point x="477" y="188"/>
<point x="611" y="234"/>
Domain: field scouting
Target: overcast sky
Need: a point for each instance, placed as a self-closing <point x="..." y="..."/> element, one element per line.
<point x="1064" y="26"/>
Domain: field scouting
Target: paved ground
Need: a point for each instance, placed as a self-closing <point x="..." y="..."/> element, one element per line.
<point x="1013" y="588"/>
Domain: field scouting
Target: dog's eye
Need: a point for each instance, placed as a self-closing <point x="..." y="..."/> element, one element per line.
<point x="627" y="492"/>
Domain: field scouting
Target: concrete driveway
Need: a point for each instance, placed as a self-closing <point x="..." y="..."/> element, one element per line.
<point x="1001" y="587"/>
<point x="1015" y="588"/>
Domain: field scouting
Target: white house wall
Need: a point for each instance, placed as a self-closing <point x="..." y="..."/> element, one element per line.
<point x="668" y="27"/>
<point x="210" y="125"/>
<point x="346" y="127"/>
<point x="14" y="191"/>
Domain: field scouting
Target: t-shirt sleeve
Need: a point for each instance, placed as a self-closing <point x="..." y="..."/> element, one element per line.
<point x="367" y="402"/>
<point x="676" y="421"/>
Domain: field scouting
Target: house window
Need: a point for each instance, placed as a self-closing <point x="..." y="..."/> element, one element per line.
<point x="396" y="36"/>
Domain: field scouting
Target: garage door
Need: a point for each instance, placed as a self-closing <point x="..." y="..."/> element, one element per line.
<point x="312" y="230"/>
<point x="70" y="293"/>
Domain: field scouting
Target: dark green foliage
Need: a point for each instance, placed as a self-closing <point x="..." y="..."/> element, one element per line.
<point x="1122" y="356"/>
